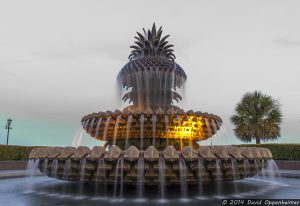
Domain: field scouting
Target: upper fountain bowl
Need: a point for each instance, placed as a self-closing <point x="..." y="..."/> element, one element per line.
<point x="147" y="127"/>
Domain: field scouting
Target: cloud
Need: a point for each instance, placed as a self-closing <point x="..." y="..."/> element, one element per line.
<point x="289" y="42"/>
<point x="9" y="74"/>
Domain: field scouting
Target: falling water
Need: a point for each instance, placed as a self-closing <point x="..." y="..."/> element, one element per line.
<point x="142" y="120"/>
<point x="54" y="167"/>
<point x="153" y="128"/>
<point x="66" y="175"/>
<point x="264" y="169"/>
<point x="147" y="85"/>
<point x="200" y="182"/>
<point x="179" y="124"/>
<point x="272" y="169"/>
<point x="165" y="89"/>
<point x="234" y="168"/>
<point x="138" y="84"/>
<point x="32" y="166"/>
<point x="106" y="127"/>
<point x="45" y="166"/>
<point x="162" y="177"/>
<point x="82" y="169"/>
<point x="219" y="177"/>
<point x="101" y="176"/>
<point x="183" y="178"/>
<point x="223" y="131"/>
<point x="167" y="125"/>
<point x="234" y="174"/>
<point x="158" y="78"/>
<point x="86" y="124"/>
<point x="264" y="163"/>
<point x="98" y="127"/>
<point x="29" y="166"/>
<point x="217" y="132"/>
<point x="116" y="129"/>
<point x="256" y="165"/>
<point x="214" y="126"/>
<point x="91" y="125"/>
<point x="119" y="178"/>
<point x="128" y="126"/>
<point x="208" y="127"/>
<point x="141" y="173"/>
<point x="77" y="139"/>
<point x="246" y="168"/>
<point x="31" y="169"/>
<point x="173" y="79"/>
<point x="67" y="169"/>
<point x="121" y="181"/>
<point x="151" y="86"/>
<point x="81" y="176"/>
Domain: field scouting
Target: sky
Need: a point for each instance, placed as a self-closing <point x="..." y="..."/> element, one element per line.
<point x="59" y="60"/>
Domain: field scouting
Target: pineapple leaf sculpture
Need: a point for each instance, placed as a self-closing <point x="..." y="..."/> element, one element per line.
<point x="151" y="44"/>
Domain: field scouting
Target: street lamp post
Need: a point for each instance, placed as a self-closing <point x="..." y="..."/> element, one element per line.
<point x="8" y="128"/>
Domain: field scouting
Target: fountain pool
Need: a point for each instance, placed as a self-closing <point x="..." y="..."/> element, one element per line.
<point x="41" y="190"/>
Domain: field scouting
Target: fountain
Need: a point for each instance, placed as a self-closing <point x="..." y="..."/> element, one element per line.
<point x="152" y="141"/>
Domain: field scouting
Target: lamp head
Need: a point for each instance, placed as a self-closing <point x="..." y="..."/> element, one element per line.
<point x="9" y="120"/>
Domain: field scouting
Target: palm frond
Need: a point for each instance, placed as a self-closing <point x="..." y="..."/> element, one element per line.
<point x="257" y="116"/>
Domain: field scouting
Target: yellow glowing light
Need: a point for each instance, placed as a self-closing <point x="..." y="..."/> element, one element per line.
<point x="190" y="128"/>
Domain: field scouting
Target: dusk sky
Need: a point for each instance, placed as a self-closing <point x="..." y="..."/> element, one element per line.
<point x="59" y="60"/>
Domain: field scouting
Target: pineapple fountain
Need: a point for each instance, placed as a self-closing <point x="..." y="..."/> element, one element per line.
<point x="152" y="141"/>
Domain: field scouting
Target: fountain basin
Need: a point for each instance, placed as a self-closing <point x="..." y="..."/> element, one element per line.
<point x="102" y="166"/>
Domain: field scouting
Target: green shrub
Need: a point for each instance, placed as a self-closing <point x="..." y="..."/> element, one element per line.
<point x="280" y="151"/>
<point x="13" y="152"/>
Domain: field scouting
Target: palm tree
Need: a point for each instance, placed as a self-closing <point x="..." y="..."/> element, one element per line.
<point x="258" y="117"/>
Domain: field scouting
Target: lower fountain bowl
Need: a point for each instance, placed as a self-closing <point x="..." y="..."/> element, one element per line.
<point x="105" y="166"/>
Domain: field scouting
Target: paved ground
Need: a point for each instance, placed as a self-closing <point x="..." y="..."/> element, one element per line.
<point x="16" y="173"/>
<point x="287" y="173"/>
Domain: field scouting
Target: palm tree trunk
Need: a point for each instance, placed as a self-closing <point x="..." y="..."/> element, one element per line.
<point x="257" y="140"/>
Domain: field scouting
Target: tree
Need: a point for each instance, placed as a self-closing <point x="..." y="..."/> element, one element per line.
<point x="257" y="116"/>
